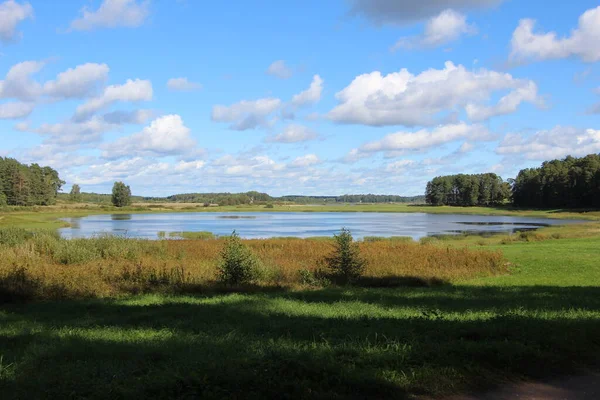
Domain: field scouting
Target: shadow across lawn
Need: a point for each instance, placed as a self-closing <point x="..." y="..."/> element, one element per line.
<point x="338" y="343"/>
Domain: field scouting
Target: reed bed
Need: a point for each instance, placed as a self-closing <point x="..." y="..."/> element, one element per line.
<point x="41" y="265"/>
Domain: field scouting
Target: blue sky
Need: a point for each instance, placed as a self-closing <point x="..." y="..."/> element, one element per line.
<point x="296" y="97"/>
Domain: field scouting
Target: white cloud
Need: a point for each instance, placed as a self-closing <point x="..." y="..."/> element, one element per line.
<point x="247" y="114"/>
<point x="77" y="82"/>
<point x="397" y="143"/>
<point x="466" y="147"/>
<point x="507" y="104"/>
<point x="583" y="41"/>
<point x="551" y="144"/>
<point x="280" y="70"/>
<point x="446" y="27"/>
<point x="400" y="12"/>
<point x="294" y="133"/>
<point x="182" y="85"/>
<point x="112" y="14"/>
<point x="75" y="133"/>
<point x="402" y="98"/>
<point x="15" y="110"/>
<point x="11" y="14"/>
<point x="18" y="83"/>
<point x="166" y="135"/>
<point x="131" y="91"/>
<point x="399" y="166"/>
<point x="311" y="95"/>
<point x="306" y="161"/>
<point x="55" y="156"/>
<point x="184" y="166"/>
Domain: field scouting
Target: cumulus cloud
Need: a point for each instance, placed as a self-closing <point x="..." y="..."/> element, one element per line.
<point x="507" y="104"/>
<point x="11" y="14"/>
<point x="78" y="82"/>
<point x="293" y="133"/>
<point x="112" y="14"/>
<point x="398" y="12"/>
<point x="75" y="133"/>
<point x="305" y="161"/>
<point x="55" y="156"/>
<point x="18" y="83"/>
<point x="15" y="110"/>
<point x="528" y="45"/>
<point x="311" y="95"/>
<point x="446" y="27"/>
<point x="166" y="135"/>
<point x="555" y="143"/>
<point x="400" y="142"/>
<point x="182" y="85"/>
<point x="246" y="114"/>
<point x="402" y="98"/>
<point x="280" y="70"/>
<point x="131" y="91"/>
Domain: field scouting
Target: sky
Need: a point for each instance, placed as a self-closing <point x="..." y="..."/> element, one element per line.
<point x="296" y="97"/>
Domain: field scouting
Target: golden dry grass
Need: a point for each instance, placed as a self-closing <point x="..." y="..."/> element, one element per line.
<point x="45" y="266"/>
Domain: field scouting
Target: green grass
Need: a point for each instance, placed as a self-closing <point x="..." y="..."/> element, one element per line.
<point x="541" y="320"/>
<point x="332" y="343"/>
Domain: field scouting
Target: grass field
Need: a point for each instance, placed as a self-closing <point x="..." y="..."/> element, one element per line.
<point x="540" y="319"/>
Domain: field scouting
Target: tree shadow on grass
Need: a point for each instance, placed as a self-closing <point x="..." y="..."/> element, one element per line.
<point x="344" y="343"/>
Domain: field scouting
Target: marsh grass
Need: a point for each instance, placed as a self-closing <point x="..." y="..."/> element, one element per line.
<point x="107" y="266"/>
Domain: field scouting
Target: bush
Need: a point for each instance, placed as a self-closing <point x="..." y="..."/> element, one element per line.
<point x="238" y="264"/>
<point x="346" y="263"/>
<point x="269" y="206"/>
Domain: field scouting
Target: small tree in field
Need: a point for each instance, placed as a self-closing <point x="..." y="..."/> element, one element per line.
<point x="75" y="194"/>
<point x="346" y="263"/>
<point x="121" y="195"/>
<point x="238" y="264"/>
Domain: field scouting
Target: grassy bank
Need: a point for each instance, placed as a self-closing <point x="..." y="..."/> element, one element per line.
<point x="539" y="319"/>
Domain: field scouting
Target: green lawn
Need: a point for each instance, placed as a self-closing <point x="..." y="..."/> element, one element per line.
<point x="543" y="319"/>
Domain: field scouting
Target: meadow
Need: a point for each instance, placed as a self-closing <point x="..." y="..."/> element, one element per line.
<point x="118" y="318"/>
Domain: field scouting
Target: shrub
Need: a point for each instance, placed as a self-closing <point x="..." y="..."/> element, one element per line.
<point x="238" y="264"/>
<point x="269" y="206"/>
<point x="346" y="263"/>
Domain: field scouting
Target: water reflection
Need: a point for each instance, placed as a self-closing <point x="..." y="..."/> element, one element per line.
<point x="120" y="217"/>
<point x="296" y="224"/>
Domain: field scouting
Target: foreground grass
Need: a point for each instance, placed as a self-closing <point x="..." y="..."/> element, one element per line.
<point x="42" y="266"/>
<point x="540" y="320"/>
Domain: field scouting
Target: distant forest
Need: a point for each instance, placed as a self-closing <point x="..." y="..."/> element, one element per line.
<point x="467" y="190"/>
<point x="27" y="185"/>
<point x="233" y="199"/>
<point x="567" y="183"/>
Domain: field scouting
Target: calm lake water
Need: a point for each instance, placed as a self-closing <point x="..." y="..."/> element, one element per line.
<point x="272" y="224"/>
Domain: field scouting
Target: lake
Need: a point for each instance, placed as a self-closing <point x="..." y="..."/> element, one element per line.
<point x="300" y="224"/>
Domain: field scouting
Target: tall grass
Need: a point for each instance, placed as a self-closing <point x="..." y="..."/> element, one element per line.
<point x="43" y="265"/>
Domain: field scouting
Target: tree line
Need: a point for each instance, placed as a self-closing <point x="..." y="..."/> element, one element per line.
<point x="27" y="185"/>
<point x="567" y="183"/>
<point x="467" y="190"/>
